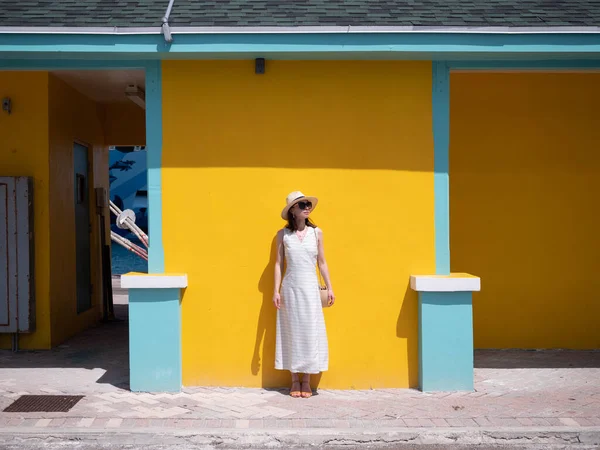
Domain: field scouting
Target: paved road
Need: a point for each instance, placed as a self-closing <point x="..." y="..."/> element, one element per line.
<point x="277" y="439"/>
<point x="78" y="445"/>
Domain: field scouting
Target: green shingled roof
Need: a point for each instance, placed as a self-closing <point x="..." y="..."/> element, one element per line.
<point x="291" y="13"/>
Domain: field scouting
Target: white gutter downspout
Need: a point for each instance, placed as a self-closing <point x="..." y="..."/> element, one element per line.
<point x="165" y="22"/>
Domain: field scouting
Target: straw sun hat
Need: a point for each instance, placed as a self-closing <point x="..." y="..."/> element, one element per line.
<point x="294" y="198"/>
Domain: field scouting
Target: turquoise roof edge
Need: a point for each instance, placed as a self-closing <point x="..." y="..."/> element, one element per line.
<point x="447" y="46"/>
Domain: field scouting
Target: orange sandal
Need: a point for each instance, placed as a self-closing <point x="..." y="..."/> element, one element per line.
<point x="296" y="393"/>
<point x="306" y="393"/>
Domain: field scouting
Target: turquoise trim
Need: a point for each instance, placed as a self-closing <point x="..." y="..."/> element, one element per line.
<point x="445" y="341"/>
<point x="441" y="144"/>
<point x="156" y="257"/>
<point x="405" y="45"/>
<point x="526" y="65"/>
<point x="70" y="64"/>
<point x="155" y="340"/>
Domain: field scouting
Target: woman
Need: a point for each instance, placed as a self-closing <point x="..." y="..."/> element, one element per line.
<point x="301" y="345"/>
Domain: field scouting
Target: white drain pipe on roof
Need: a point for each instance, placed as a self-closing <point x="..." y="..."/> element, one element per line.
<point x="165" y="22"/>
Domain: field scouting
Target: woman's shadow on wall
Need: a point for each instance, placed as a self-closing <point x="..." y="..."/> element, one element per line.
<point x="265" y="332"/>
<point x="406" y="328"/>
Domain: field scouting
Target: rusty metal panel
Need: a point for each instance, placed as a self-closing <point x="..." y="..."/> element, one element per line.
<point x="25" y="256"/>
<point x="17" y="300"/>
<point x="8" y="253"/>
<point x="5" y="305"/>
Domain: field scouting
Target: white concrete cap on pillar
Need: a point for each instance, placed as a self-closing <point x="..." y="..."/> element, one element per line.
<point x="455" y="282"/>
<point x="154" y="281"/>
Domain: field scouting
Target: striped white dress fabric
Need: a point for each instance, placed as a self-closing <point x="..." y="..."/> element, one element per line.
<point x="301" y="338"/>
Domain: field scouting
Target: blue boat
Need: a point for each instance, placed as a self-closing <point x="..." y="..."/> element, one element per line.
<point x="128" y="184"/>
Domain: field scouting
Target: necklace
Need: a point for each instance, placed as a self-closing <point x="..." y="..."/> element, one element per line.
<point x="301" y="234"/>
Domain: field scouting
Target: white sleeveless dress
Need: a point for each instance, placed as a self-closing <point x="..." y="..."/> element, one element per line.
<point x="301" y="339"/>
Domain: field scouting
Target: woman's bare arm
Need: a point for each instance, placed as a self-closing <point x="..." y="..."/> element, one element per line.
<point x="278" y="270"/>
<point x="323" y="266"/>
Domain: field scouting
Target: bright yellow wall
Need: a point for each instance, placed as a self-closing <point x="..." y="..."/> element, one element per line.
<point x="524" y="171"/>
<point x="124" y="124"/>
<point x="356" y="134"/>
<point x="73" y="117"/>
<point x="24" y="152"/>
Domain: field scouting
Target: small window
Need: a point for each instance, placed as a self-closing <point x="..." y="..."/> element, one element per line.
<point x="80" y="188"/>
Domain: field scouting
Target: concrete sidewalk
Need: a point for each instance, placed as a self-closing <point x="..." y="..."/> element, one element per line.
<point x="521" y="397"/>
<point x="556" y="404"/>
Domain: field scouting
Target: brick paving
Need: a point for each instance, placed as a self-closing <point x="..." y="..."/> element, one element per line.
<point x="523" y="389"/>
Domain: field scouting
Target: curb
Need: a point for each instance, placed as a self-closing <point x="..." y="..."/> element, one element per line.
<point x="582" y="437"/>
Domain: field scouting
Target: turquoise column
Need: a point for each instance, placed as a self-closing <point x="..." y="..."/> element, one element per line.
<point x="155" y="340"/>
<point x="445" y="331"/>
<point x="154" y="331"/>
<point x="445" y="341"/>
<point x="441" y="145"/>
<point x="445" y="300"/>
<point x="154" y="299"/>
<point x="154" y="142"/>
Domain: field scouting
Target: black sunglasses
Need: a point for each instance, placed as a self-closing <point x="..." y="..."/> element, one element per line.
<point x="304" y="205"/>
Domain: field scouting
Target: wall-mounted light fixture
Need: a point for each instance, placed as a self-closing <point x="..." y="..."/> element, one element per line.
<point x="259" y="66"/>
<point x="136" y="95"/>
<point x="7" y="105"/>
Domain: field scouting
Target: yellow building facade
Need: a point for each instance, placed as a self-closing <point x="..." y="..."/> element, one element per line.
<point x="356" y="135"/>
<point x="423" y="167"/>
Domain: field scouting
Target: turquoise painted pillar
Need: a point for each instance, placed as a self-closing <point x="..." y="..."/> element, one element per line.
<point x="154" y="331"/>
<point x="445" y="299"/>
<point x="445" y="331"/>
<point x="154" y="298"/>
<point x="154" y="142"/>
<point x="441" y="146"/>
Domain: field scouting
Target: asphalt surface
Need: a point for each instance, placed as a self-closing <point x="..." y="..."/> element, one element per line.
<point x="65" y="445"/>
<point x="170" y="442"/>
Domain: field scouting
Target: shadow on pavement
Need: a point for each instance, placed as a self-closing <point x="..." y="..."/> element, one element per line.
<point x="103" y="348"/>
<point x="537" y="359"/>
